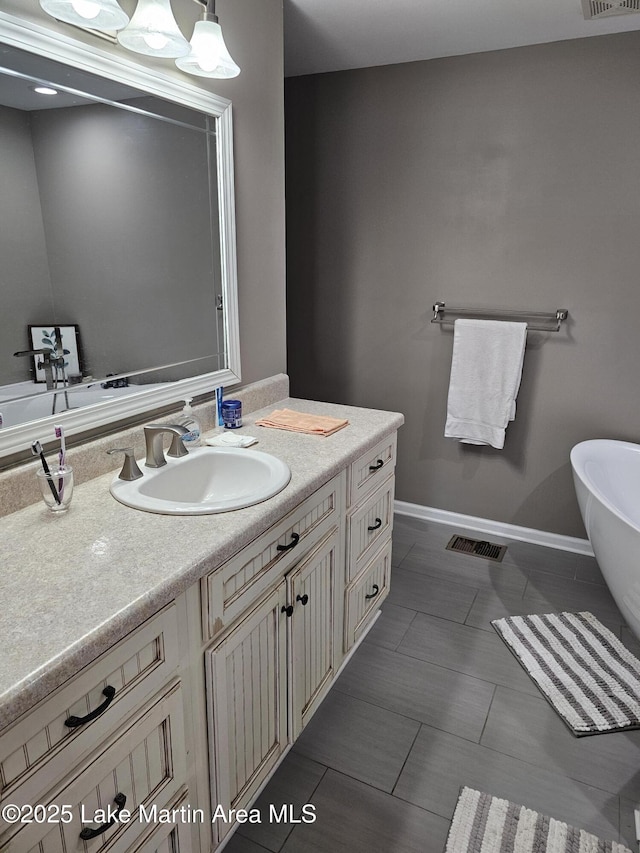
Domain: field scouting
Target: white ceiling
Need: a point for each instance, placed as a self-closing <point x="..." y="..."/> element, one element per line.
<point x="333" y="35"/>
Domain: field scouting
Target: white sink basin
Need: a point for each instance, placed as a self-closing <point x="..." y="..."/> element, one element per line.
<point x="208" y="480"/>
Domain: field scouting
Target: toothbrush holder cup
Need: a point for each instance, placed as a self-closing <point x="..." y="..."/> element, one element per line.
<point x="56" y="487"/>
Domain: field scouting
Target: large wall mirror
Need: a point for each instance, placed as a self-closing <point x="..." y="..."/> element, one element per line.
<point x="117" y="240"/>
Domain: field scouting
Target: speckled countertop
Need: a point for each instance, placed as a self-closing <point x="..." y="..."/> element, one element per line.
<point x="72" y="586"/>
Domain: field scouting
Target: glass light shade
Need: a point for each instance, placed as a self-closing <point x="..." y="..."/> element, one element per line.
<point x="96" y="14"/>
<point x="153" y="31"/>
<point x="209" y="56"/>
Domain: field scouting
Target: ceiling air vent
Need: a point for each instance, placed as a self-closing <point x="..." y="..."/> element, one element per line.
<point x="477" y="548"/>
<point x="593" y="9"/>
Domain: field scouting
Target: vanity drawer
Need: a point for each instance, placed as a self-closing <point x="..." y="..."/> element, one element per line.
<point x="143" y="763"/>
<point x="366" y="593"/>
<point x="173" y="836"/>
<point x="37" y="750"/>
<point x="369" y="525"/>
<point x="374" y="466"/>
<point x="238" y="584"/>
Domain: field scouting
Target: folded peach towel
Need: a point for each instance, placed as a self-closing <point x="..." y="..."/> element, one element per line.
<point x="301" y="422"/>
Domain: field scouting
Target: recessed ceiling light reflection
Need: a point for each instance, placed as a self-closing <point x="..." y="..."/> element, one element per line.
<point x="45" y="90"/>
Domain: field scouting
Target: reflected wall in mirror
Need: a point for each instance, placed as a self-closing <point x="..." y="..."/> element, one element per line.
<point x="117" y="211"/>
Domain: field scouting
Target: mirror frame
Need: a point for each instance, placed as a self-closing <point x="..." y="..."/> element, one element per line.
<point x="37" y="39"/>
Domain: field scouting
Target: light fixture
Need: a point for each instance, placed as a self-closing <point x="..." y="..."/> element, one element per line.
<point x="153" y="31"/>
<point x="209" y="56"/>
<point x="45" y="90"/>
<point x="97" y="14"/>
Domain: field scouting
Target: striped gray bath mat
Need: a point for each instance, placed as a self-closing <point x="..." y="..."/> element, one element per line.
<point x="485" y="823"/>
<point x="591" y="680"/>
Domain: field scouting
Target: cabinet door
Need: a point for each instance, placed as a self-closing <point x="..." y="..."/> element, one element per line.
<point x="247" y="705"/>
<point x="311" y="593"/>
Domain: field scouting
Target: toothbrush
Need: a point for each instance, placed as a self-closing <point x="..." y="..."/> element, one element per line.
<point x="62" y="456"/>
<point x="36" y="449"/>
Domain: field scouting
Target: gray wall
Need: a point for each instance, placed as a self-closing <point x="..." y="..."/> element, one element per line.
<point x="253" y="33"/>
<point x="507" y="179"/>
<point x="128" y="232"/>
<point x="24" y="272"/>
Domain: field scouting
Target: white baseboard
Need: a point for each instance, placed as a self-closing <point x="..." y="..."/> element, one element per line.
<point x="499" y="528"/>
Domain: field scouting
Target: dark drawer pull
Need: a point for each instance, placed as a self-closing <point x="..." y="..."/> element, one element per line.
<point x="376" y="590"/>
<point x="377" y="466"/>
<point x="303" y="599"/>
<point x="288" y="609"/>
<point x="295" y="537"/>
<point x="376" y="526"/>
<point x="87" y="834"/>
<point x="74" y="722"/>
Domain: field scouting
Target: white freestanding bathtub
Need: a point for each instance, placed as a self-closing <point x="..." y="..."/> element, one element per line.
<point x="606" y="475"/>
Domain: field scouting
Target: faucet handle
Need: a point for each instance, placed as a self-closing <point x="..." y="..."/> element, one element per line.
<point x="130" y="470"/>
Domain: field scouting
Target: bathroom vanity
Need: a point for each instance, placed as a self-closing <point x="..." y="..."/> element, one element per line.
<point x="156" y="669"/>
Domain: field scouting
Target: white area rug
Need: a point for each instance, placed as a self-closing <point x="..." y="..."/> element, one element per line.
<point x="485" y="824"/>
<point x="591" y="680"/>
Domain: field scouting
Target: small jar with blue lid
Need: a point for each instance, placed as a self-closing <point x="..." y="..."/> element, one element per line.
<point x="232" y="414"/>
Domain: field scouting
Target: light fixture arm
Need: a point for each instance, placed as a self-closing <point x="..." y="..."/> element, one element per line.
<point x="209" y="10"/>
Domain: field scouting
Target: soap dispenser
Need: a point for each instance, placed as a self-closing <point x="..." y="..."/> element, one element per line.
<point x="188" y="419"/>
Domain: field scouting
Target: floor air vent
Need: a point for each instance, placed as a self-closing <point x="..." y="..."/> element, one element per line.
<point x="477" y="548"/>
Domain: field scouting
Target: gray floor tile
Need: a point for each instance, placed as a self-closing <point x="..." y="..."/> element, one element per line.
<point x="489" y="604"/>
<point x="439" y="764"/>
<point x="402" y="543"/>
<point x="391" y="626"/>
<point x="359" y="739"/>
<point x="629" y="639"/>
<point x="539" y="558"/>
<point x="563" y="594"/>
<point x="529" y="729"/>
<point x="587" y="569"/>
<point x="430" y="595"/>
<point x="464" y="569"/>
<point x="240" y="844"/>
<point x="627" y="824"/>
<point x="418" y="690"/>
<point x="465" y="649"/>
<point x="559" y="590"/>
<point x="293" y="784"/>
<point x="354" y="818"/>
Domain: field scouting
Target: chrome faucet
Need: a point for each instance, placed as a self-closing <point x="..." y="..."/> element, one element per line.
<point x="153" y="439"/>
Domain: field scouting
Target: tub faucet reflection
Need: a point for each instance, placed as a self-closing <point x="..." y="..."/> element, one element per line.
<point x="48" y="360"/>
<point x="53" y="366"/>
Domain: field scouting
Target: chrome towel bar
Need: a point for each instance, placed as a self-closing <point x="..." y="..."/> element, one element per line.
<point x="536" y="320"/>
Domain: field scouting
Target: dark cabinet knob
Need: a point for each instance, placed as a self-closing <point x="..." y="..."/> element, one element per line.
<point x="376" y="526"/>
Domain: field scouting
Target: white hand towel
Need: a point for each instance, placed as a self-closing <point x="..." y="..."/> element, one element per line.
<point x="486" y="368"/>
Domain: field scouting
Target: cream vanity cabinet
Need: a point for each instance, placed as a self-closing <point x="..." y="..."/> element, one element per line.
<point x="110" y="739"/>
<point x="269" y="671"/>
<point x="308" y="588"/>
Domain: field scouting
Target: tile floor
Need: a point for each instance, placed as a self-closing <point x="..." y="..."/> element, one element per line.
<point x="433" y="700"/>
